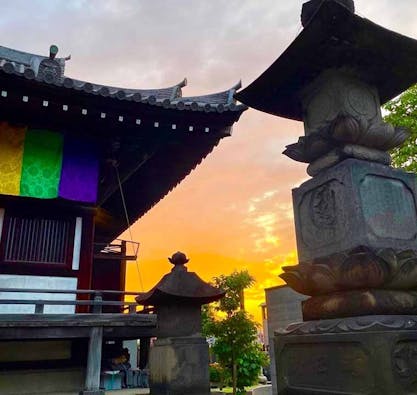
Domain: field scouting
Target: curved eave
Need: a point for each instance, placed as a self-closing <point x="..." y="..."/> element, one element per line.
<point x="334" y="39"/>
<point x="157" y="298"/>
<point x="154" y="180"/>
<point x="168" y="98"/>
<point x="181" y="287"/>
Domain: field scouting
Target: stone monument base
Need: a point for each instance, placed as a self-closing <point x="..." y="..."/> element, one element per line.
<point x="373" y="355"/>
<point x="179" y="366"/>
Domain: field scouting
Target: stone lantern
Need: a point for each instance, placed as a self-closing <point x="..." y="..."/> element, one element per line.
<point x="179" y="357"/>
<point x="356" y="219"/>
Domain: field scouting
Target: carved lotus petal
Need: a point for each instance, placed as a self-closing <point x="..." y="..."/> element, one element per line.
<point x="310" y="279"/>
<point x="401" y="134"/>
<point x="360" y="302"/>
<point x="364" y="124"/>
<point x="379" y="136"/>
<point x="363" y="269"/>
<point x="317" y="146"/>
<point x="389" y="256"/>
<point x="405" y="274"/>
<point x="346" y="128"/>
<point x="309" y="148"/>
<point x="296" y="151"/>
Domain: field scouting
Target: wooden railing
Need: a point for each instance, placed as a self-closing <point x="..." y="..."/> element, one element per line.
<point x="95" y="325"/>
<point x="96" y="299"/>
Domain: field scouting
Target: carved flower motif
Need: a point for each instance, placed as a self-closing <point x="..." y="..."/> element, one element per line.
<point x="347" y="129"/>
<point x="344" y="130"/>
<point x="383" y="136"/>
<point x="358" y="269"/>
<point x="377" y="135"/>
<point x="309" y="148"/>
<point x="404" y="358"/>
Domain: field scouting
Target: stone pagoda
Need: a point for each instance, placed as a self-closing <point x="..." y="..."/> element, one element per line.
<point x="179" y="359"/>
<point x="356" y="218"/>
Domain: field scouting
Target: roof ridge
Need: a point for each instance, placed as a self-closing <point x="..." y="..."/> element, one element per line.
<point x="50" y="70"/>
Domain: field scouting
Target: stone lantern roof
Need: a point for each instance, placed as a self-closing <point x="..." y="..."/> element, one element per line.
<point x="334" y="38"/>
<point x="180" y="286"/>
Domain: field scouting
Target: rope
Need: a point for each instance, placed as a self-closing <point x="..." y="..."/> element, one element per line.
<point x="128" y="221"/>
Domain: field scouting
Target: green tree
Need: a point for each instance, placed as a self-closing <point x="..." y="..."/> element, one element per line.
<point x="235" y="346"/>
<point x="402" y="112"/>
<point x="234" y="285"/>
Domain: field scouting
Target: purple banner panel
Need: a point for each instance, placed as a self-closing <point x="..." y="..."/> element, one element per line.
<point x="79" y="177"/>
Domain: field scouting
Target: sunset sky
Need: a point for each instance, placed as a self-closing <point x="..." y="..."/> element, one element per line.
<point x="234" y="211"/>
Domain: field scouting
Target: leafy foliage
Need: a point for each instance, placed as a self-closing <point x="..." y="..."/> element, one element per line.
<point x="234" y="285"/>
<point x="402" y="111"/>
<point x="248" y="367"/>
<point x="235" y="346"/>
<point x="219" y="375"/>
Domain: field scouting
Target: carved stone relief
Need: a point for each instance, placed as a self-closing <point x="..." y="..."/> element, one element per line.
<point x="320" y="214"/>
<point x="404" y="364"/>
<point x="388" y="207"/>
<point x="330" y="366"/>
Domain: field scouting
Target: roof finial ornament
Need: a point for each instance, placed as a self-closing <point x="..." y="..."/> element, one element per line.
<point x="310" y="8"/>
<point x="179" y="259"/>
<point x="53" y="51"/>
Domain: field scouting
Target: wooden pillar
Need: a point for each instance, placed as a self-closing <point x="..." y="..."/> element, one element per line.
<point x="86" y="260"/>
<point x="92" y="378"/>
<point x="145" y="343"/>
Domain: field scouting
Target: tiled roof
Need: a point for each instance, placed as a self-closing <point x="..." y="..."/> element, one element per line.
<point x="51" y="71"/>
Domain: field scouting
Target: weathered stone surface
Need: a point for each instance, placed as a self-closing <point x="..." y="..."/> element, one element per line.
<point x="372" y="323"/>
<point x="359" y="302"/>
<point x="335" y="93"/>
<point x="355" y="203"/>
<point x="366" y="355"/>
<point x="283" y="308"/>
<point x="348" y="151"/>
<point x="326" y="161"/>
<point x="178" y="319"/>
<point x="179" y="366"/>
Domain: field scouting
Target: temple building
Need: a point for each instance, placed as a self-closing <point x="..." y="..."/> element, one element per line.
<point x="79" y="163"/>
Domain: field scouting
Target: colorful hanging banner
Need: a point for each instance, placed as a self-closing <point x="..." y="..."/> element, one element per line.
<point x="11" y="157"/>
<point x="41" y="164"/>
<point x="79" y="176"/>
